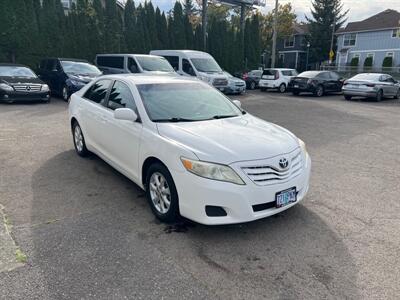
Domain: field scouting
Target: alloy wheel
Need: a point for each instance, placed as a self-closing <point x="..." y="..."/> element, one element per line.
<point x="160" y="193"/>
<point x="282" y="88"/>
<point x="65" y="93"/>
<point x="78" y="137"/>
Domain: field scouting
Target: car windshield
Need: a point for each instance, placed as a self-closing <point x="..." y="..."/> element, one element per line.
<point x="153" y="63"/>
<point x="372" y="77"/>
<point x="309" y="74"/>
<point x="185" y="102"/>
<point x="15" y="71"/>
<point x="207" y="65"/>
<point x="81" y="68"/>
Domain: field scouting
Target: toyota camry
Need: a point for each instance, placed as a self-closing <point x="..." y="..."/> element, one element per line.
<point x="196" y="153"/>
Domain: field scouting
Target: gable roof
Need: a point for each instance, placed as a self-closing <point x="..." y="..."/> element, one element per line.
<point x="300" y="29"/>
<point x="384" y="20"/>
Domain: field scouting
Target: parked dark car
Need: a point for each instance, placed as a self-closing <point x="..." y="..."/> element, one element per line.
<point x="316" y="82"/>
<point x="252" y="79"/>
<point x="20" y="83"/>
<point x="66" y="76"/>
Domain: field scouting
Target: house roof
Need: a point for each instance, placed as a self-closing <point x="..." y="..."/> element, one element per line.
<point x="386" y="19"/>
<point x="301" y="28"/>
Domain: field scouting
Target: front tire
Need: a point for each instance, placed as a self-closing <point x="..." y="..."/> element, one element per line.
<point x="161" y="193"/>
<point x="319" y="91"/>
<point x="379" y="96"/>
<point x="252" y="85"/>
<point x="397" y="96"/>
<point x="282" y="88"/>
<point x="347" y="97"/>
<point x="65" y="93"/>
<point x="79" y="140"/>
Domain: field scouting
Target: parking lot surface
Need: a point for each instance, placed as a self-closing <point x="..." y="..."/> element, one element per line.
<point x="88" y="232"/>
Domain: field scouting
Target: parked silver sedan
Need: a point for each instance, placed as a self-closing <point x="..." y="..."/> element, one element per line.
<point x="371" y="85"/>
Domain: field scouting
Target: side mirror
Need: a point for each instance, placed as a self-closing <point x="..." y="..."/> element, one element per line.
<point x="126" y="114"/>
<point x="237" y="103"/>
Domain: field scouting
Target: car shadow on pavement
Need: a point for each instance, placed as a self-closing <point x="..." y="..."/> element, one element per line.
<point x="90" y="224"/>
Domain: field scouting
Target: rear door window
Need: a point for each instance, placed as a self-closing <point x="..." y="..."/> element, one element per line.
<point x="116" y="62"/>
<point x="132" y="65"/>
<point x="287" y="73"/>
<point x="98" y="91"/>
<point x="187" y="67"/>
<point x="173" y="60"/>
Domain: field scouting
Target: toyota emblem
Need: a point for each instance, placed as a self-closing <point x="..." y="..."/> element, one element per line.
<point x="283" y="163"/>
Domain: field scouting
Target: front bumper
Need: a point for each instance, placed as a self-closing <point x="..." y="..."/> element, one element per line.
<point x="20" y="96"/>
<point x="195" y="193"/>
<point x="235" y="89"/>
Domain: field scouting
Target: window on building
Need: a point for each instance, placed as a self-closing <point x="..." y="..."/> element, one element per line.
<point x="396" y="33"/>
<point x="390" y="54"/>
<point x="370" y="55"/>
<point x="357" y="56"/>
<point x="350" y="39"/>
<point x="289" y="42"/>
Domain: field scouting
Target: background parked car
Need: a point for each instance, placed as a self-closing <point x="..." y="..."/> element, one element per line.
<point x="133" y="63"/>
<point x="252" y="78"/>
<point x="20" y="83"/>
<point x="372" y="85"/>
<point x="276" y="79"/>
<point x="197" y="64"/>
<point x="66" y="75"/>
<point x="235" y="85"/>
<point x="316" y="82"/>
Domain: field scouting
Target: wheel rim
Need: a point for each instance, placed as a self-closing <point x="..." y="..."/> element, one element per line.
<point x="283" y="88"/>
<point x="160" y="193"/>
<point x="65" y="93"/>
<point x="78" y="137"/>
<point x="253" y="85"/>
<point x="380" y="94"/>
<point x="320" y="91"/>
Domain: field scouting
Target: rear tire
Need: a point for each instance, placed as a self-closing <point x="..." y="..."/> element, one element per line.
<point x="379" y="96"/>
<point x="79" y="140"/>
<point x="65" y="93"/>
<point x="161" y="193"/>
<point x="282" y="88"/>
<point x="252" y="85"/>
<point x="319" y="91"/>
<point x="347" y="97"/>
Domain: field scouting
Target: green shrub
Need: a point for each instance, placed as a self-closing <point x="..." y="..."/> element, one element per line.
<point x="387" y="62"/>
<point x="368" y="61"/>
<point x="355" y="61"/>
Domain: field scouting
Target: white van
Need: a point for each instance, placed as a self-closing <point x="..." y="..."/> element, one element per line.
<point x="133" y="63"/>
<point x="196" y="63"/>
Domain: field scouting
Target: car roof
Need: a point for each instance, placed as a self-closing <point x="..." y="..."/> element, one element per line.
<point x="129" y="54"/>
<point x="150" y="79"/>
<point x="66" y="59"/>
<point x="12" y="65"/>
<point x="189" y="53"/>
<point x="281" y="69"/>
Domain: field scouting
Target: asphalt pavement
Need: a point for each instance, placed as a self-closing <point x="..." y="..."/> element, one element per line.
<point x="88" y="233"/>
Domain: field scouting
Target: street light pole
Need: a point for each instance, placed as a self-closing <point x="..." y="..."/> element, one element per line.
<point x="308" y="52"/>
<point x="275" y="34"/>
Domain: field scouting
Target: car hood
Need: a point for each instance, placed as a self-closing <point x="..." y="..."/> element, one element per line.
<point x="20" y="80"/>
<point x="231" y="140"/>
<point x="82" y="77"/>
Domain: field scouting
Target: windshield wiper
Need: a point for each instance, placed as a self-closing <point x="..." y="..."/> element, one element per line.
<point x="223" y="116"/>
<point x="174" y="120"/>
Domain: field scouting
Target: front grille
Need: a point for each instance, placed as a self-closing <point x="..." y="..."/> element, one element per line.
<point x="270" y="172"/>
<point x="220" y="82"/>
<point x="240" y="84"/>
<point x="27" y="88"/>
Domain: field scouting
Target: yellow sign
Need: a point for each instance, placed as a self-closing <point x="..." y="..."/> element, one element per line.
<point x="331" y="55"/>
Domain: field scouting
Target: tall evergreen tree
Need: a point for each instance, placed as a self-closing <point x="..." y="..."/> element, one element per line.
<point x="130" y="30"/>
<point x="324" y="14"/>
<point x="177" y="27"/>
<point x="162" y="29"/>
<point x="112" y="27"/>
<point x="151" y="25"/>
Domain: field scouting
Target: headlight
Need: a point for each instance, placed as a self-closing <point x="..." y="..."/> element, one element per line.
<point x="204" y="78"/>
<point x="212" y="171"/>
<point x="76" y="82"/>
<point x="45" y="88"/>
<point x="303" y="146"/>
<point x="6" y="87"/>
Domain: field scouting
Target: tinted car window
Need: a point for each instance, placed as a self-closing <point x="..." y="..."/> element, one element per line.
<point x="287" y="73"/>
<point x="98" y="92"/>
<point x="309" y="74"/>
<point x="132" y="65"/>
<point x="324" y="75"/>
<point x="334" y="76"/>
<point x="390" y="79"/>
<point x="187" y="67"/>
<point x="121" y="97"/>
<point x="173" y="60"/>
<point x="111" y="61"/>
<point x="269" y="72"/>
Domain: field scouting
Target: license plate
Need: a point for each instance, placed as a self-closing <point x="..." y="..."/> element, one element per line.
<point x="296" y="86"/>
<point x="285" y="197"/>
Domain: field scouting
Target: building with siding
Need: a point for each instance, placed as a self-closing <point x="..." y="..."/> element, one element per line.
<point x="292" y="50"/>
<point x="377" y="37"/>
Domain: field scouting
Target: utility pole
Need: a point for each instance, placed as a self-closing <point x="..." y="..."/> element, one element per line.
<point x="204" y="24"/>
<point x="275" y="34"/>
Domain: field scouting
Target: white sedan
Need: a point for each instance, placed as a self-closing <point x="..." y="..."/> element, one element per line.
<point x="195" y="152"/>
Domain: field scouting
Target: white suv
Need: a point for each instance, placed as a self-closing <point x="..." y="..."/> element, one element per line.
<point x="276" y="79"/>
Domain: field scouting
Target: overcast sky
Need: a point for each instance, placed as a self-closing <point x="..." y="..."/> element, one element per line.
<point x="359" y="9"/>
